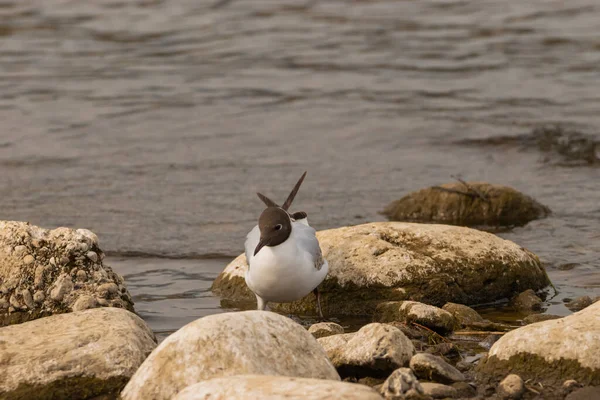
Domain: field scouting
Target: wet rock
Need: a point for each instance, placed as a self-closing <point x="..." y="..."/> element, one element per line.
<point x="401" y="384"/>
<point x="393" y="261"/>
<point x="586" y="393"/>
<point x="462" y="314"/>
<point x="408" y="312"/>
<point x="467" y="204"/>
<point x="464" y="390"/>
<point x="511" y="388"/>
<point x="243" y="387"/>
<point x="429" y="367"/>
<point x="550" y="351"/>
<point x="78" y="355"/>
<point x="439" y="391"/>
<point x="323" y="329"/>
<point x="533" y="318"/>
<point x="222" y="345"/>
<point x="527" y="301"/>
<point x="579" y="303"/>
<point x="375" y="350"/>
<point x="37" y="283"/>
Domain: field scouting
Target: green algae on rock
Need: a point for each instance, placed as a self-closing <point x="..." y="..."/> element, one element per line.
<point x="550" y="351"/>
<point x="467" y="204"/>
<point x="77" y="355"/>
<point x="394" y="261"/>
<point x="45" y="272"/>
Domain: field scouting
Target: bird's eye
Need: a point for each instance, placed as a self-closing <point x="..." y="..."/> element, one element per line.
<point x="278" y="227"/>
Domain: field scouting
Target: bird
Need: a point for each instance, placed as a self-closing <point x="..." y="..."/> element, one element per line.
<point x="285" y="261"/>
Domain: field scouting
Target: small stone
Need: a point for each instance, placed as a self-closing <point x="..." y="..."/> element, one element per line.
<point x="39" y="297"/>
<point x="62" y="287"/>
<point x="430" y="367"/>
<point x="438" y="391"/>
<point x="85" y="302"/>
<point x="28" y="259"/>
<point x="527" y="301"/>
<point x="571" y="383"/>
<point x="81" y="276"/>
<point x="401" y="384"/>
<point x="14" y="302"/>
<point x="20" y="249"/>
<point x="464" y="366"/>
<point x="464" y="315"/>
<point x="323" y="329"/>
<point x="52" y="261"/>
<point x="107" y="289"/>
<point x="91" y="236"/>
<point x="533" y="318"/>
<point x="489" y="341"/>
<point x="38" y="277"/>
<point x="464" y="390"/>
<point x="37" y="243"/>
<point x="28" y="299"/>
<point x="3" y="303"/>
<point x="102" y="302"/>
<point x="92" y="256"/>
<point x="64" y="260"/>
<point x="411" y="311"/>
<point x="83" y="247"/>
<point x="512" y="387"/>
<point x="579" y="303"/>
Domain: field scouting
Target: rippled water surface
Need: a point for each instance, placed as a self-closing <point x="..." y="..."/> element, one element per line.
<point x="153" y="123"/>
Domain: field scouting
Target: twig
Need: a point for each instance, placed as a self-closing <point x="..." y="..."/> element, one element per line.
<point x="531" y="389"/>
<point x="471" y="189"/>
<point x="478" y="333"/>
<point x="472" y="195"/>
<point x="432" y="331"/>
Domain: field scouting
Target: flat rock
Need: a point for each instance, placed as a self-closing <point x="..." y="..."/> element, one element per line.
<point x="394" y="261"/>
<point x="527" y="301"/>
<point x="511" y="388"/>
<point x="323" y="329"/>
<point x="439" y="391"/>
<point x="408" y="312"/>
<point x="375" y="350"/>
<point x="463" y="315"/>
<point x="550" y="351"/>
<point x="401" y="384"/>
<point x="433" y="368"/>
<point x="248" y="342"/>
<point x="244" y="387"/>
<point x="467" y="204"/>
<point x="72" y="356"/>
<point x="39" y="271"/>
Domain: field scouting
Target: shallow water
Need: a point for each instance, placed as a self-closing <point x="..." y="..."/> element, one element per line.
<point x="153" y="122"/>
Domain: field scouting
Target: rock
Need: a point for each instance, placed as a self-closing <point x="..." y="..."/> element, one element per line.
<point x="438" y="391"/>
<point x="323" y="329"/>
<point x="38" y="284"/>
<point x="511" y="387"/>
<point x="464" y="390"/>
<point x="462" y="314"/>
<point x="579" y="303"/>
<point x="92" y="256"/>
<point x="248" y="342"/>
<point x="527" y="301"/>
<point x="243" y="387"/>
<point x="85" y="302"/>
<point x="533" y="318"/>
<point x="375" y="350"/>
<point x="570" y="385"/>
<point x="459" y="204"/>
<point x="401" y="384"/>
<point x="489" y="341"/>
<point x="586" y="393"/>
<point x="550" y="351"/>
<point x="411" y="311"/>
<point x="433" y="368"/>
<point x="107" y="290"/>
<point x="72" y="356"/>
<point x="393" y="261"/>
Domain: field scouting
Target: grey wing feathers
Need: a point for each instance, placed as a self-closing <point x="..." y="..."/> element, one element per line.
<point x="308" y="241"/>
<point x="252" y="240"/>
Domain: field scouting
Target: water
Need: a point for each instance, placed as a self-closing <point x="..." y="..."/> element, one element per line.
<point x="153" y="122"/>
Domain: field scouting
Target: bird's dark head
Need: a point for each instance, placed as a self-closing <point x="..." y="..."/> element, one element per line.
<point x="275" y="227"/>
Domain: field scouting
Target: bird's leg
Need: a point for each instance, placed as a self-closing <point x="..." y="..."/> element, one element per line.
<point x="318" y="294"/>
<point x="260" y="303"/>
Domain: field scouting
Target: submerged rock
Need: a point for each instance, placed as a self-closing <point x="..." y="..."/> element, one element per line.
<point x="433" y="368"/>
<point x="375" y="350"/>
<point x="401" y="384"/>
<point x="245" y="387"/>
<point x="432" y="317"/>
<point x="467" y="204"/>
<point x="45" y="272"/>
<point x="323" y="329"/>
<point x="391" y="261"/>
<point x="527" y="301"/>
<point x="579" y="303"/>
<point x="72" y="356"/>
<point x="248" y="342"/>
<point x="550" y="351"/>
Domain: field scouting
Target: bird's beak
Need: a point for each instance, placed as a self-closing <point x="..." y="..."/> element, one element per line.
<point x="262" y="243"/>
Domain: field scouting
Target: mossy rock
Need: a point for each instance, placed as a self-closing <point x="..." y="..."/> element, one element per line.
<point x="394" y="261"/>
<point x="467" y="204"/>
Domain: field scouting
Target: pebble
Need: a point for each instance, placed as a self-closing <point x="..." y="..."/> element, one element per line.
<point x="107" y="289"/>
<point x="20" y="249"/>
<point x="62" y="287"/>
<point x="84" y="303"/>
<point x="28" y="259"/>
<point x="28" y="299"/>
<point x="39" y="297"/>
<point x="511" y="388"/>
<point x="324" y="329"/>
<point x="430" y="367"/>
<point x="38" y="277"/>
<point x="3" y="304"/>
<point x="439" y="391"/>
<point x="14" y="302"/>
<point x="92" y="256"/>
<point x="81" y="276"/>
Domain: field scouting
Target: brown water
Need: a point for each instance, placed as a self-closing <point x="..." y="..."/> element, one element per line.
<point x="153" y="123"/>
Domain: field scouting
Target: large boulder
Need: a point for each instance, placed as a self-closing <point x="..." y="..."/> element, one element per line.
<point x="550" y="351"/>
<point x="387" y="261"/>
<point x="244" y="387"/>
<point x="78" y="355"/>
<point x="468" y="204"/>
<point x="45" y="272"/>
<point x="248" y="342"/>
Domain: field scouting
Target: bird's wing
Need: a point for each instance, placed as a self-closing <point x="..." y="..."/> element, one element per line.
<point x="307" y="241"/>
<point x="252" y="240"/>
